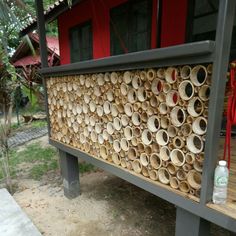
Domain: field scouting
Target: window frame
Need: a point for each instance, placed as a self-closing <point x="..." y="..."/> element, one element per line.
<point x="79" y="28"/>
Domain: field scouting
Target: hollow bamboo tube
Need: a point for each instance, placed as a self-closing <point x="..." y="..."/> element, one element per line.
<point x="144" y="116"/>
<point x="162" y="137"/>
<point x="114" y="78"/>
<point x="147" y="85"/>
<point x="172" y="168"/>
<point x="165" y="122"/>
<point x="163" y="176"/>
<point x="117" y="146"/>
<point x="145" y="171"/>
<point x="117" y="124"/>
<point x="142" y="94"/>
<point x="153" y="123"/>
<point x="127" y="77"/>
<point x="124" y="144"/>
<point x="132" y="154"/>
<point x="198" y="166"/>
<point x="128" y="133"/>
<point x="194" y="179"/>
<point x="150" y="111"/>
<point x="153" y="174"/>
<point x="94" y="136"/>
<point x="137" y="132"/>
<point x="136" y="118"/>
<point x="116" y="158"/>
<point x="186" y="90"/>
<point x="164" y="153"/>
<point x="155" y="161"/>
<point x="172" y="98"/>
<point x="103" y="152"/>
<point x="136" y="82"/>
<point x="190" y="158"/>
<point x="172" y="131"/>
<point x="151" y="74"/>
<point x="166" y="87"/>
<point x="163" y="108"/>
<point x="123" y="162"/>
<point x="161" y="73"/>
<point x="177" y="157"/>
<point x="195" y="143"/>
<point x="146" y="137"/>
<point x="200" y="125"/>
<point x="195" y="107"/>
<point x="137" y="167"/>
<point x="148" y="150"/>
<point x="171" y="75"/>
<point x="204" y="93"/>
<point x="185" y="72"/>
<point x="100" y="139"/>
<point x="178" y="142"/>
<point x="137" y="106"/>
<point x="143" y="75"/>
<point x="124" y="120"/>
<point x="177" y="116"/>
<point x="144" y="159"/>
<point x="128" y="108"/>
<point x="184" y="186"/>
<point x="154" y="101"/>
<point x="129" y="165"/>
<point x="174" y="183"/>
<point x="187" y="167"/>
<point x="155" y="147"/>
<point x="198" y="75"/>
<point x="181" y="175"/>
<point x="156" y="86"/>
<point x="132" y="96"/>
<point x="110" y="128"/>
<point x="107" y="107"/>
<point x="134" y="141"/>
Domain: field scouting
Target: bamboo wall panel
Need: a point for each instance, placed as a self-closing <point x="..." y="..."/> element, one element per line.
<point x="151" y="121"/>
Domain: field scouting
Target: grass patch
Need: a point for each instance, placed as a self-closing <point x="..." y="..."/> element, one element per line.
<point x="86" y="167"/>
<point x="43" y="159"/>
<point x="39" y="123"/>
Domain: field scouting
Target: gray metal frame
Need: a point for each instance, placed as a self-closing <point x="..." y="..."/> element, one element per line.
<point x="201" y="52"/>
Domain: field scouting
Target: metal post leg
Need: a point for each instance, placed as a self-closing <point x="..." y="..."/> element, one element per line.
<point x="188" y="224"/>
<point x="70" y="174"/>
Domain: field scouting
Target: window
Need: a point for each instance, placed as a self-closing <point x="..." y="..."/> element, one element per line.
<point x="81" y="42"/>
<point x="130" y="25"/>
<point x="204" y="19"/>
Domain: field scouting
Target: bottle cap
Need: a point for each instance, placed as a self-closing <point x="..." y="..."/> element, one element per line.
<point x="222" y="163"/>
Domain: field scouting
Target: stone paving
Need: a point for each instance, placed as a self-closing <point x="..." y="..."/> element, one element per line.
<point x="27" y="135"/>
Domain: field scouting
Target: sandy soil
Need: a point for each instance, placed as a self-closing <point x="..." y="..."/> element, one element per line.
<point x="108" y="206"/>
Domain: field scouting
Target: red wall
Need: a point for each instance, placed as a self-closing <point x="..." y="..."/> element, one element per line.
<point x="173" y="22"/>
<point x="173" y="29"/>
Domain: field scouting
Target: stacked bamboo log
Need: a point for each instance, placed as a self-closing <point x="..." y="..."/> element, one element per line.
<point x="151" y="121"/>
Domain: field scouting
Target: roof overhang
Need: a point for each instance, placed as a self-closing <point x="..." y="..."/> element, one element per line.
<point x="50" y="14"/>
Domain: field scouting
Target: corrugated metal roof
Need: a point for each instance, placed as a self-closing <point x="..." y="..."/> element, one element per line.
<point x="50" y="14"/>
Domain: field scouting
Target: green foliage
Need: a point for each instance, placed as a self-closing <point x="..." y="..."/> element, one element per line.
<point x="85" y="167"/>
<point x="40" y="160"/>
<point x="39" y="123"/>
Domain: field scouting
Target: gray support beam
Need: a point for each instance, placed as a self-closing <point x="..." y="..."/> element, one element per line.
<point x="70" y="174"/>
<point x="220" y="65"/>
<point x="188" y="224"/>
<point x="42" y="33"/>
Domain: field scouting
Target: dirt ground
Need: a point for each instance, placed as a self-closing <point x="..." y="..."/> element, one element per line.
<point x="107" y="206"/>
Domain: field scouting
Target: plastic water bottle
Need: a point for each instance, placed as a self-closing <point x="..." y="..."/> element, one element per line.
<point x="220" y="183"/>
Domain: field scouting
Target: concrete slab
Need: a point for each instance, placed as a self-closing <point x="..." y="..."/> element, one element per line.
<point x="13" y="221"/>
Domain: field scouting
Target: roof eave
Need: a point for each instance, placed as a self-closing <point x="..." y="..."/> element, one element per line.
<point x="49" y="16"/>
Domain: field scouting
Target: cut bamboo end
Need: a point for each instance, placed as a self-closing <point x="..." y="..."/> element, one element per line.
<point x="153" y="174"/>
<point x="198" y="75"/>
<point x="137" y="167"/>
<point x="163" y="175"/>
<point x="155" y="161"/>
<point x="164" y="153"/>
<point x="174" y="183"/>
<point x="194" y="179"/>
<point x="144" y="159"/>
<point x="184" y="186"/>
<point x="177" y="157"/>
